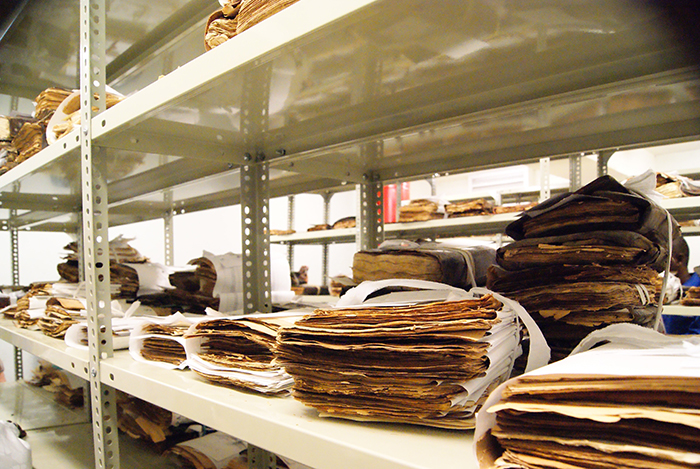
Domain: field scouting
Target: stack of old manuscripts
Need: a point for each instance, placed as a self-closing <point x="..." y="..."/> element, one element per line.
<point x="9" y="128"/>
<point x="239" y="351"/>
<point x="122" y="275"/>
<point x="421" y="210"/>
<point x="584" y="260"/>
<point x="160" y="340"/>
<point x="461" y="267"/>
<point x="691" y="297"/>
<point x="429" y="364"/>
<point x="235" y="16"/>
<point x="31" y="306"/>
<point x="628" y="404"/>
<point x="60" y="314"/>
<point x="31" y="137"/>
<point x="469" y="208"/>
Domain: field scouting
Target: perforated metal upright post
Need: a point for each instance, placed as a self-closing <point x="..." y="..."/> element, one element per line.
<point x="545" y="188"/>
<point x="291" y="207"/>
<point x="14" y="246"/>
<point x="255" y="198"/>
<point x="255" y="212"/>
<point x="95" y="234"/>
<point x="371" y="214"/>
<point x="256" y="237"/>
<point x="168" y="231"/>
<point x="324" y="247"/>
<point x="575" y="182"/>
<point x="603" y="158"/>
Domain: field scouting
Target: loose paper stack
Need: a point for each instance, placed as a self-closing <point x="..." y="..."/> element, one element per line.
<point x="584" y="260"/>
<point x="632" y="403"/>
<point x="239" y="351"/>
<point x="60" y="314"/>
<point x="424" y="363"/>
<point x="160" y="340"/>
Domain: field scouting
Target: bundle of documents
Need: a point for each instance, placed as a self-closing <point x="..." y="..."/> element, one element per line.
<point x="422" y="210"/>
<point x="214" y="450"/>
<point x="29" y="141"/>
<point x="254" y="11"/>
<point x="422" y="363"/>
<point x="239" y="351"/>
<point x="631" y="403"/>
<point x="675" y="185"/>
<point x="31" y="306"/>
<point x="160" y="340"/>
<point x="586" y="259"/>
<point x="235" y="16"/>
<point x="469" y="208"/>
<point x="10" y="126"/>
<point x="60" y="314"/>
<point x="691" y="297"/>
<point x="142" y="420"/>
<point x="66" y="388"/>
<point x="67" y="116"/>
<point x="124" y="277"/>
<point x="462" y="267"/>
<point x="222" y="25"/>
<point x="48" y="101"/>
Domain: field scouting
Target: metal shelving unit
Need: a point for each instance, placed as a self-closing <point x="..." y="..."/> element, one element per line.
<point x="325" y="94"/>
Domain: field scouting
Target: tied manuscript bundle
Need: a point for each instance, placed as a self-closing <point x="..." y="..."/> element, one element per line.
<point x="428" y="364"/>
<point x="436" y="262"/>
<point x="615" y="406"/>
<point x="586" y="259"/>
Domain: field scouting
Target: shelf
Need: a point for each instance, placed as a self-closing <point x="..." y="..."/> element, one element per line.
<point x="353" y="94"/>
<point x="452" y="227"/>
<point x="344" y="235"/>
<point x="288" y="428"/>
<point x="678" y="310"/>
<point x="683" y="208"/>
<point x="46" y="348"/>
<point x="277" y="424"/>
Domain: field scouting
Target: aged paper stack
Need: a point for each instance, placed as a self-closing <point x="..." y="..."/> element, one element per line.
<point x="462" y="267"/>
<point x="428" y="363"/>
<point x="633" y="403"/>
<point x="160" y="340"/>
<point x="584" y="260"/>
<point x="240" y="351"/>
<point x="235" y="16"/>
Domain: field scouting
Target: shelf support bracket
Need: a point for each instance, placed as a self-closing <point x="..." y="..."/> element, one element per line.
<point x="95" y="234"/>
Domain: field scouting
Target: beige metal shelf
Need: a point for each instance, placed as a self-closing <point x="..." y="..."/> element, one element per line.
<point x="286" y="427"/>
<point x="46" y="348"/>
